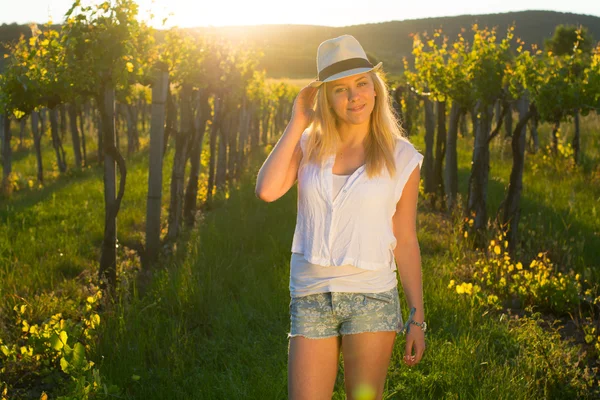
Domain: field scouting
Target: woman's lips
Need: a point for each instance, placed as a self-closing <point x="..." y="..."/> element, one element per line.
<point x="357" y="109"/>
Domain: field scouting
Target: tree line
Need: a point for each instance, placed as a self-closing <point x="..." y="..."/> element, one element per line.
<point x="488" y="81"/>
<point x="103" y="71"/>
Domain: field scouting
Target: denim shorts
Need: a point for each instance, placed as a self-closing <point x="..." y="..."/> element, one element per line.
<point x="323" y="315"/>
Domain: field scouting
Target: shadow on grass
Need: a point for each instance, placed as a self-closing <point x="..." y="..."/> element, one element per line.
<point x="544" y="221"/>
<point x="212" y="321"/>
<point x="213" y="318"/>
<point x="27" y="198"/>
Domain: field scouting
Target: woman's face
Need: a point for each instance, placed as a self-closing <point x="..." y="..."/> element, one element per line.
<point x="352" y="98"/>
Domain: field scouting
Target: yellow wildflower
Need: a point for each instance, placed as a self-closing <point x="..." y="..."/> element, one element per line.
<point x="469" y="288"/>
<point x="492" y="298"/>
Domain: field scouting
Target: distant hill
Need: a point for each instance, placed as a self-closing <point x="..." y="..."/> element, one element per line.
<point x="290" y="50"/>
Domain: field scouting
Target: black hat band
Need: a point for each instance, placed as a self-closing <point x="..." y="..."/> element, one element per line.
<point x="342" y="66"/>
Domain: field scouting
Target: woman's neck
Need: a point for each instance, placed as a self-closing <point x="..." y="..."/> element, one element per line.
<point x="352" y="135"/>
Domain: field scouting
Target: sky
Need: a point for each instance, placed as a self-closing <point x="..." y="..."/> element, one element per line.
<point x="191" y="13"/>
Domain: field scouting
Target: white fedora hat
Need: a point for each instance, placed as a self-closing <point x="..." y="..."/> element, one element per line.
<point x="341" y="57"/>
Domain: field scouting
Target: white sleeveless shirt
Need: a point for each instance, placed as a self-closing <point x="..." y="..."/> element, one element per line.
<point x="307" y="278"/>
<point x="355" y="227"/>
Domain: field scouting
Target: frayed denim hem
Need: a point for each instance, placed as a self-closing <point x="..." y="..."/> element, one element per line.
<point x="290" y="335"/>
<point x="371" y="331"/>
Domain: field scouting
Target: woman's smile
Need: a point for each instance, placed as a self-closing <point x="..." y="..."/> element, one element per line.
<point x="357" y="109"/>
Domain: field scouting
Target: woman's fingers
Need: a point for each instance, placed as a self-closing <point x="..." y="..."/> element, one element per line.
<point x="408" y="346"/>
<point x="419" y="349"/>
<point x="303" y="103"/>
<point x="312" y="96"/>
<point x="308" y="95"/>
<point x="409" y="358"/>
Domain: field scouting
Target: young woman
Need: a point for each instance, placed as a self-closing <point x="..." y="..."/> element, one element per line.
<point x="358" y="183"/>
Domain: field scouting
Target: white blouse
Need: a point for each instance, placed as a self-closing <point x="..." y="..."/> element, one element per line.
<point x="354" y="227"/>
<point x="307" y="278"/>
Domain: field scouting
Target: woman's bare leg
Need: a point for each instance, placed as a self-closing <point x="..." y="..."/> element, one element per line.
<point x="312" y="367"/>
<point x="366" y="359"/>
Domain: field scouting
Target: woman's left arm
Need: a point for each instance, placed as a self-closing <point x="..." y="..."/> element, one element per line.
<point x="408" y="260"/>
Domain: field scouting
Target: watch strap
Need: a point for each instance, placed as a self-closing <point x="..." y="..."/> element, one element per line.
<point x="422" y="325"/>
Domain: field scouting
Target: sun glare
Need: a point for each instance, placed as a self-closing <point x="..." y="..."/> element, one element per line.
<point x="188" y="13"/>
<point x="184" y="13"/>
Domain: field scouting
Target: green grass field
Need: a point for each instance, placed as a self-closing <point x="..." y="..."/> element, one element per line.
<point x="213" y="321"/>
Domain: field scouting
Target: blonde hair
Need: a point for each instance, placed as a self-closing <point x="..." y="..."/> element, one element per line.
<point x="384" y="130"/>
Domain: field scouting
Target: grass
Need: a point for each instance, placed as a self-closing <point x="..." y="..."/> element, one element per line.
<point x="215" y="324"/>
<point x="559" y="208"/>
<point x="213" y="321"/>
<point x="51" y="235"/>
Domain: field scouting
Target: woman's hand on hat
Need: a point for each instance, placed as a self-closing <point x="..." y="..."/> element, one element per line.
<point x="302" y="111"/>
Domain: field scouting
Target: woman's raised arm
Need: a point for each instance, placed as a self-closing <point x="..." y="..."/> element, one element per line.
<point x="278" y="172"/>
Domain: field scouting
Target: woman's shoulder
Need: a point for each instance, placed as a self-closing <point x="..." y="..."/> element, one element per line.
<point x="404" y="148"/>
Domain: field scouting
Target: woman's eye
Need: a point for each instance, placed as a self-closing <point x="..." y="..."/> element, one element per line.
<point x="339" y="90"/>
